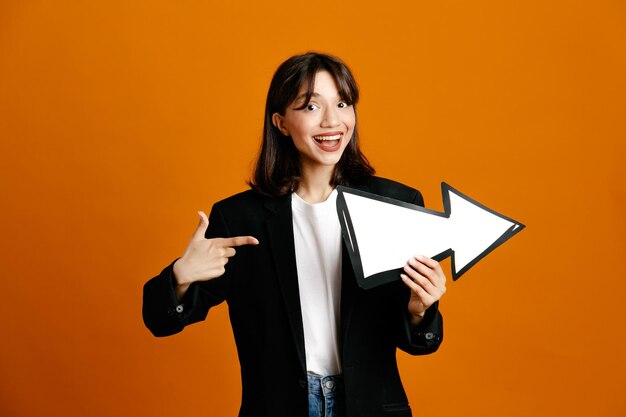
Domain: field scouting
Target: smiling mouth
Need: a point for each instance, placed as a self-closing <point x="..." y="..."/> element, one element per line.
<point x="328" y="143"/>
<point x="332" y="138"/>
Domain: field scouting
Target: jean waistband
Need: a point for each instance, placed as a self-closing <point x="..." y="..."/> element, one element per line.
<point x="329" y="385"/>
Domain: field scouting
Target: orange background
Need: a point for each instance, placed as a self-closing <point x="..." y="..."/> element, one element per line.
<point x="120" y="119"/>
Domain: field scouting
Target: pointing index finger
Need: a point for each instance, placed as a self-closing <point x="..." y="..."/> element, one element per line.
<point x="240" y="241"/>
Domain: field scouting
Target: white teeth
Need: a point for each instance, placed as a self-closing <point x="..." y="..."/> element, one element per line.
<point x="334" y="137"/>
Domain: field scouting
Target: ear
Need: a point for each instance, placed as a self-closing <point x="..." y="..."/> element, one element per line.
<point x="279" y="122"/>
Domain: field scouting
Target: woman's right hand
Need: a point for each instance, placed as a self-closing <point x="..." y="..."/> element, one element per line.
<point x="204" y="259"/>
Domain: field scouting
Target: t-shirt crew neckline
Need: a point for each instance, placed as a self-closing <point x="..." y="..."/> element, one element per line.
<point x="317" y="208"/>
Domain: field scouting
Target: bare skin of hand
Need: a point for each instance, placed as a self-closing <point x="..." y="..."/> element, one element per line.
<point x="427" y="282"/>
<point x="205" y="259"/>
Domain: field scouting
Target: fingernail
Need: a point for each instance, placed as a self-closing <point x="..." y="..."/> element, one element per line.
<point x="419" y="257"/>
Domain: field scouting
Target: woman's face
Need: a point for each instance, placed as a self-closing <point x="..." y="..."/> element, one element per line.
<point x="322" y="129"/>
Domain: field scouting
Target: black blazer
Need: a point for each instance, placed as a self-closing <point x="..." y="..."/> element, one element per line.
<point x="260" y="286"/>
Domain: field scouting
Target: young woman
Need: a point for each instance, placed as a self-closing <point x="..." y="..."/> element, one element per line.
<point x="310" y="341"/>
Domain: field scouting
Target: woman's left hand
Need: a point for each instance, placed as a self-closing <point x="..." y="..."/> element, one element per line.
<point x="427" y="282"/>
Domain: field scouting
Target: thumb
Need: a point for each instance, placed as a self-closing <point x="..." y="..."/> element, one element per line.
<point x="202" y="226"/>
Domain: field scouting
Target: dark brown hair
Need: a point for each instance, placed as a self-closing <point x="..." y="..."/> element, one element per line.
<point x="277" y="170"/>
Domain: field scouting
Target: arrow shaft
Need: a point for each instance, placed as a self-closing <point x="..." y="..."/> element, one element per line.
<point x="408" y="232"/>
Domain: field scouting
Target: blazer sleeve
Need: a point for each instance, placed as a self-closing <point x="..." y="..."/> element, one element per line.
<point x="428" y="334"/>
<point x="163" y="314"/>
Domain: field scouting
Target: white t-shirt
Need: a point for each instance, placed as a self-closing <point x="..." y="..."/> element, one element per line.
<point x="317" y="238"/>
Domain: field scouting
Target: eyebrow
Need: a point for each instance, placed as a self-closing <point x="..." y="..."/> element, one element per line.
<point x="303" y="95"/>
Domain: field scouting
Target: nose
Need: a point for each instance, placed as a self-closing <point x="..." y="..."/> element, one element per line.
<point x="331" y="117"/>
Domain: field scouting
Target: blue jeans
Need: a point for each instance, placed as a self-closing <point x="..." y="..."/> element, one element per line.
<point x="326" y="396"/>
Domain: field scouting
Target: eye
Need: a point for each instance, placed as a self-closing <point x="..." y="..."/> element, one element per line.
<point x="311" y="107"/>
<point x="342" y="105"/>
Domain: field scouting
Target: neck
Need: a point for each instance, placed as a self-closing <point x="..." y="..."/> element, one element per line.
<point x="315" y="185"/>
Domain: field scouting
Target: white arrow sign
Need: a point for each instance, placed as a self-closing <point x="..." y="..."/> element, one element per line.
<point x="381" y="233"/>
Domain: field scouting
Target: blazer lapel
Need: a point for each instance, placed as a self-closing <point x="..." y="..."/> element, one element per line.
<point x="280" y="232"/>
